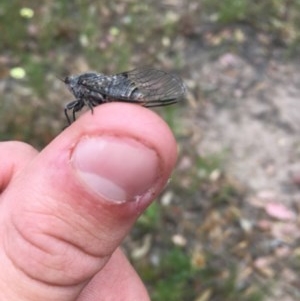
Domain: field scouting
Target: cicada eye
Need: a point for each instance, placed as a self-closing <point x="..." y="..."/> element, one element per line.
<point x="67" y="80"/>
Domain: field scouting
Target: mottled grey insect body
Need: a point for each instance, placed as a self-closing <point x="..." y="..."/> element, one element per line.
<point x="145" y="86"/>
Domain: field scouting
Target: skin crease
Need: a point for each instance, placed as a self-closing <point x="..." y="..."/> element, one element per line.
<point x="59" y="239"/>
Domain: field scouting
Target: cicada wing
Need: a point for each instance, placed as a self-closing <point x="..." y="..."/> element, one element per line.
<point x="155" y="87"/>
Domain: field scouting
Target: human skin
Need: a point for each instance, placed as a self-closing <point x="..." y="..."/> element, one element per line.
<point x="65" y="210"/>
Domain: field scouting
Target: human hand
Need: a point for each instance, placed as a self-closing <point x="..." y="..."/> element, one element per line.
<point x="65" y="210"/>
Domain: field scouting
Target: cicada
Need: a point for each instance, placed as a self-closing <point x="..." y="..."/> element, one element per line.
<point x="145" y="86"/>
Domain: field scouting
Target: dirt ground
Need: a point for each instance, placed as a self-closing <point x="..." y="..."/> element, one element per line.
<point x="251" y="114"/>
<point x="259" y="127"/>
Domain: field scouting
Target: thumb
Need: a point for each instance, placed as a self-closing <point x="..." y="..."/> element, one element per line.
<point x="66" y="212"/>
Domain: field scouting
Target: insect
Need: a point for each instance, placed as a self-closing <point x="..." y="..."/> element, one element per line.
<point x="145" y="86"/>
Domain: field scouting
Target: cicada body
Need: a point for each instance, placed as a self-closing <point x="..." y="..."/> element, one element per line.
<point x="145" y="86"/>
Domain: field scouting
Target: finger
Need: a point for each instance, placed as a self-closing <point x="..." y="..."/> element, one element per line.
<point x="119" y="275"/>
<point x="73" y="204"/>
<point x="14" y="156"/>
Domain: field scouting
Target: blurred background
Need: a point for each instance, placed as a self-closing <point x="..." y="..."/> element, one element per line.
<point x="227" y="226"/>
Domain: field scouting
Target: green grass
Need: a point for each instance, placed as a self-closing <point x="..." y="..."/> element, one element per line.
<point x="280" y="18"/>
<point x="176" y="279"/>
<point x="150" y="220"/>
<point x="172" y="279"/>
